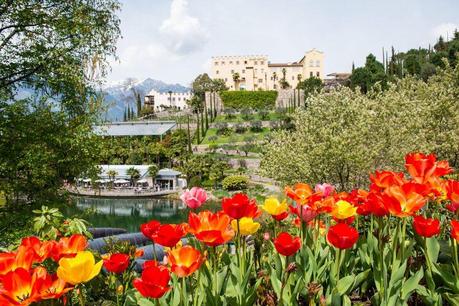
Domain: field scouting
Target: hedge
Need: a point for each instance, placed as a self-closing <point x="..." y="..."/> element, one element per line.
<point x="249" y="99"/>
<point x="235" y="182"/>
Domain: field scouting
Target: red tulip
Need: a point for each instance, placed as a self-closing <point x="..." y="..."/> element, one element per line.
<point x="168" y="235"/>
<point x="117" y="263"/>
<point x="150" y="228"/>
<point x="240" y="206"/>
<point x="383" y="179"/>
<point x="20" y="287"/>
<point x="42" y="250"/>
<point x="286" y="244"/>
<point x="22" y="258"/>
<point x="422" y="167"/>
<point x="455" y="230"/>
<point x="426" y="227"/>
<point x="452" y="189"/>
<point x="154" y="282"/>
<point x="280" y="216"/>
<point x="342" y="236"/>
<point x="304" y="212"/>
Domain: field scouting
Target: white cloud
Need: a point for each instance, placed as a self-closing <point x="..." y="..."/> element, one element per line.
<point x="182" y="33"/>
<point x="445" y="29"/>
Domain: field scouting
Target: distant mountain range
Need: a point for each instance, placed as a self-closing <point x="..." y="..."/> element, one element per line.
<point x="120" y="95"/>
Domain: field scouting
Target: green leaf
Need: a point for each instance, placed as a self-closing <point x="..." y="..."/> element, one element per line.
<point x="411" y="284"/>
<point x="344" y="284"/>
<point x="433" y="249"/>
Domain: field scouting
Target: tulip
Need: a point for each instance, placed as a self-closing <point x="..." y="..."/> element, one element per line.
<point x="324" y="189"/>
<point x="240" y="206"/>
<point x="299" y="193"/>
<point x="342" y="236"/>
<point x="423" y="167"/>
<point x="426" y="227"/>
<point x="246" y="226"/>
<point x="149" y="229"/>
<point x="42" y="250"/>
<point x="304" y="212"/>
<point x="380" y="180"/>
<point x="452" y="190"/>
<point x="273" y="207"/>
<point x="20" y="287"/>
<point x="455" y="230"/>
<point x="69" y="246"/>
<point x="194" y="198"/>
<point x="117" y="263"/>
<point x="402" y="201"/>
<point x="79" y="269"/>
<point x="22" y="258"/>
<point x="154" y="282"/>
<point x="343" y="210"/>
<point x="184" y="261"/>
<point x="168" y="235"/>
<point x="287" y="245"/>
<point x="50" y="286"/>
<point x="211" y="228"/>
<point x="280" y="216"/>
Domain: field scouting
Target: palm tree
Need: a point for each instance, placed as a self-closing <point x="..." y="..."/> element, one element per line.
<point x="153" y="171"/>
<point x="112" y="174"/>
<point x="236" y="79"/>
<point x="134" y="174"/>
<point x="274" y="79"/>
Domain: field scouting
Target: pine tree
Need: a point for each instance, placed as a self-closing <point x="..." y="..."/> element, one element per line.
<point x="128" y="113"/>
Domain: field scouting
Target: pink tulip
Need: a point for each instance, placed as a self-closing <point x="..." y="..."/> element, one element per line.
<point x="304" y="212"/>
<point x="266" y="236"/>
<point x="194" y="198"/>
<point x="325" y="189"/>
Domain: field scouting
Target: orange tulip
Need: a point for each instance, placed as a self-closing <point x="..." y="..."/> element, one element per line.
<point x="20" y="287"/>
<point x="452" y="190"/>
<point x="22" y="258"/>
<point x="455" y="230"/>
<point x="211" y="228"/>
<point x="69" y="246"/>
<point x="41" y="249"/>
<point x="402" y="201"/>
<point x="383" y="179"/>
<point x="300" y="192"/>
<point x="50" y="286"/>
<point x="184" y="261"/>
<point x="422" y="167"/>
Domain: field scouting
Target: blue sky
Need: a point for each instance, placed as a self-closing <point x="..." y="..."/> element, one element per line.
<point x="173" y="40"/>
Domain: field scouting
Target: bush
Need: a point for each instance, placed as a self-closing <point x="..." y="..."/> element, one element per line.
<point x="223" y="129"/>
<point x="229" y="113"/>
<point x="249" y="99"/>
<point x="256" y="126"/>
<point x="240" y="128"/>
<point x="235" y="182"/>
<point x="264" y="114"/>
<point x="246" y="114"/>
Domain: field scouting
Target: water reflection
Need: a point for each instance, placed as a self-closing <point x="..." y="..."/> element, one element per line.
<point x="130" y="213"/>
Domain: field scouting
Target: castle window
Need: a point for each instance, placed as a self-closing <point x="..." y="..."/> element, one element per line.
<point x="260" y="80"/>
<point x="293" y="78"/>
<point x="237" y="62"/>
<point x="311" y="74"/>
<point x="311" y="63"/>
<point x="243" y="71"/>
<point x="232" y="71"/>
<point x="318" y="74"/>
<point x="231" y="62"/>
<point x="262" y="63"/>
<point x="216" y="63"/>
<point x="217" y="72"/>
<point x="223" y="63"/>
<point x="255" y="63"/>
<point x="245" y="62"/>
<point x="317" y="63"/>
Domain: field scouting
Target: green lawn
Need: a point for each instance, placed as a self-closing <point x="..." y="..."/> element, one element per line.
<point x="234" y="137"/>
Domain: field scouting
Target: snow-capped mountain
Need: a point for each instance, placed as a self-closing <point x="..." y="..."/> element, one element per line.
<point x="120" y="95"/>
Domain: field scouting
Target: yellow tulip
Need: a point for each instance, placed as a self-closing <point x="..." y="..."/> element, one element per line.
<point x="273" y="207"/>
<point x="79" y="269"/>
<point x="343" y="210"/>
<point x="246" y="225"/>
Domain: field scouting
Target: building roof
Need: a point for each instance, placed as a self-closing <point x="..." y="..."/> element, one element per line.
<point x="134" y="128"/>
<point x="121" y="171"/>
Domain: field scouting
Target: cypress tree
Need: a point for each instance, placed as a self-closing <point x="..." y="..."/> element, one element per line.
<point x="198" y="136"/>
<point x="139" y="104"/>
<point x="125" y="115"/>
<point x="203" y="132"/>
<point x="128" y="113"/>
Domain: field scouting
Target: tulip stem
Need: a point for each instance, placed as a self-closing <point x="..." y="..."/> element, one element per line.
<point x="429" y="279"/>
<point x="154" y="251"/>
<point x="283" y="282"/>
<point x="402" y="244"/>
<point x="337" y="265"/>
<point x="185" y="302"/>
<point x="81" y="297"/>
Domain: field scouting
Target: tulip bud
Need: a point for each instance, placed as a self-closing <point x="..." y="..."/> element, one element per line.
<point x="266" y="236"/>
<point x="291" y="267"/>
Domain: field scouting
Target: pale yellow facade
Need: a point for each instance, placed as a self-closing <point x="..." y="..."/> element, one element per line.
<point x="257" y="73"/>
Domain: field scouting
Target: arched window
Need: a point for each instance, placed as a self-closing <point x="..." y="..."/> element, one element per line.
<point x="317" y="63"/>
<point x="311" y="63"/>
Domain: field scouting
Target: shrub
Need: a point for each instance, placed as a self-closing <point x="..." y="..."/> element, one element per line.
<point x="264" y="114"/>
<point x="240" y="128"/>
<point x="249" y="99"/>
<point x="246" y="114"/>
<point x="229" y="113"/>
<point x="223" y="129"/>
<point x="212" y="138"/>
<point x="195" y="181"/>
<point x="256" y="126"/>
<point x="235" y="182"/>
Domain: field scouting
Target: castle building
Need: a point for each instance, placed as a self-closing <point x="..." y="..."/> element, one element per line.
<point x="164" y="100"/>
<point x="256" y="72"/>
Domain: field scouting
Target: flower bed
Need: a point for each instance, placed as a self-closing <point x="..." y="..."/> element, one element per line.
<point x="394" y="244"/>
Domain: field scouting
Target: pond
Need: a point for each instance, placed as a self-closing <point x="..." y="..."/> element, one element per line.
<point x="130" y="213"/>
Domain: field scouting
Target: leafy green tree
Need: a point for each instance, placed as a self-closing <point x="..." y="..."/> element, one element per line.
<point x="236" y="80"/>
<point x="344" y="134"/>
<point x="153" y="171"/>
<point x="367" y="76"/>
<point x="310" y="86"/>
